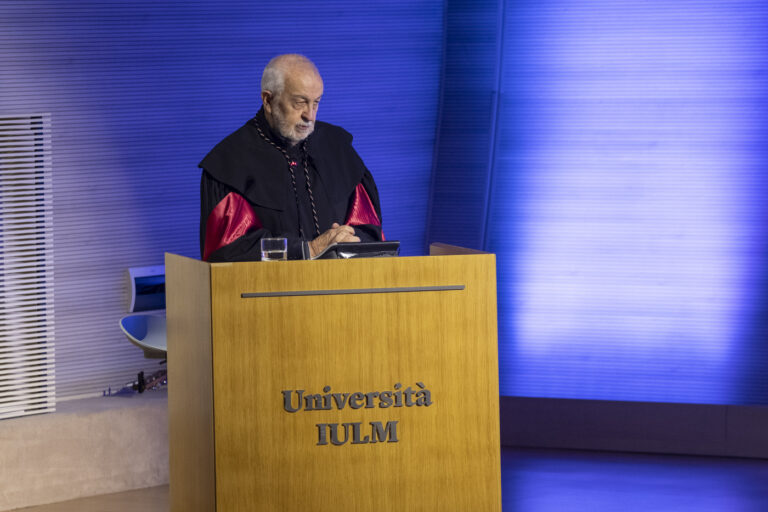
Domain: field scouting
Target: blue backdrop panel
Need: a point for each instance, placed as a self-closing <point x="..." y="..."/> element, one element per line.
<point x="469" y="97"/>
<point x="629" y="207"/>
<point x="140" y="91"/>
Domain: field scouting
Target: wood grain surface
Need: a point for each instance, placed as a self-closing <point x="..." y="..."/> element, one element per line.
<point x="441" y="249"/>
<point x="190" y="383"/>
<point x="446" y="457"/>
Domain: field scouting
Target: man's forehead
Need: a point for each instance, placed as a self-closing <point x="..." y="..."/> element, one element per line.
<point x="303" y="83"/>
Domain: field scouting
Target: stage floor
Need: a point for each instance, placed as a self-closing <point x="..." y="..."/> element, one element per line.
<point x="566" y="481"/>
<point x="576" y="481"/>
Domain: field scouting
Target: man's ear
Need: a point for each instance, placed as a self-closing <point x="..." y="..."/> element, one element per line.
<point x="266" y="97"/>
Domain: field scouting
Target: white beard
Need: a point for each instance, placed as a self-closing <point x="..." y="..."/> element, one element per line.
<point x="288" y="130"/>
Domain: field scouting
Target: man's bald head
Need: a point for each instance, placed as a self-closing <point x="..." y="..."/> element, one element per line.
<point x="282" y="67"/>
<point x="291" y="88"/>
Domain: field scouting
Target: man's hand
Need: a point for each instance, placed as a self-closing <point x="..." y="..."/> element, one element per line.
<point x="334" y="235"/>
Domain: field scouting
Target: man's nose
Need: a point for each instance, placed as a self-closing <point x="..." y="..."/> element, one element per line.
<point x="309" y="113"/>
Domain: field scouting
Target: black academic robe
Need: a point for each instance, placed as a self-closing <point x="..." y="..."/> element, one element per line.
<point x="247" y="194"/>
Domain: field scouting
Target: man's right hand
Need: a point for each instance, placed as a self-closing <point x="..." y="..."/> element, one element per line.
<point x="336" y="234"/>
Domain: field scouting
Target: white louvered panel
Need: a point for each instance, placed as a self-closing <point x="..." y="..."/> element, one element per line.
<point x="23" y="358"/>
<point x="31" y="334"/>
<point x="26" y="267"/>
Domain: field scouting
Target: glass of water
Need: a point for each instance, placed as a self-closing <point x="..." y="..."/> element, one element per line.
<point x="274" y="249"/>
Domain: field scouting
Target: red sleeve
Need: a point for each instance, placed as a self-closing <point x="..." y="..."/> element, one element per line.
<point x="230" y="219"/>
<point x="362" y="210"/>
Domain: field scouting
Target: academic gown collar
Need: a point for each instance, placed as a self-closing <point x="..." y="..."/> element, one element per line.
<point x="258" y="171"/>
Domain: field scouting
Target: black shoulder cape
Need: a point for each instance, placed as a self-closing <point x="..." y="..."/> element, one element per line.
<point x="255" y="169"/>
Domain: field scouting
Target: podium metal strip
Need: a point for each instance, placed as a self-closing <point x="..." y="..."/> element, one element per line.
<point x="354" y="291"/>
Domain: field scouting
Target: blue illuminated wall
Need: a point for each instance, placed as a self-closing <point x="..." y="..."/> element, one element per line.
<point x="139" y="91"/>
<point x="627" y="167"/>
<point x="612" y="153"/>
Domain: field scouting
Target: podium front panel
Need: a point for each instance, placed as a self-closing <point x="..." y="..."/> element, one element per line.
<point x="356" y="385"/>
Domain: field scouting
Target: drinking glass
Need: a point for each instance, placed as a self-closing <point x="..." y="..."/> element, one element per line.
<point x="274" y="249"/>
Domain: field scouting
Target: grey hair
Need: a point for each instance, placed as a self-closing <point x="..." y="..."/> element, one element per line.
<point x="273" y="78"/>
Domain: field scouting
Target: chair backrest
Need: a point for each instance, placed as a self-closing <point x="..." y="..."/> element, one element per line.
<point x="146" y="288"/>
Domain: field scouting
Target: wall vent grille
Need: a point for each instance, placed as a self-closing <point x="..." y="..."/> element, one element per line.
<point x="26" y="266"/>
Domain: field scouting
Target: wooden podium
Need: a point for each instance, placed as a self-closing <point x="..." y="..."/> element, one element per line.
<point x="340" y="385"/>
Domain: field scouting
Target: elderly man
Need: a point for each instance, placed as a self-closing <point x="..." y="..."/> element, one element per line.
<point x="283" y="174"/>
